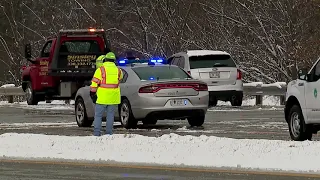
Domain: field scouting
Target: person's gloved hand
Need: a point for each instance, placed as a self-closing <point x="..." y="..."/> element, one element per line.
<point x="93" y="96"/>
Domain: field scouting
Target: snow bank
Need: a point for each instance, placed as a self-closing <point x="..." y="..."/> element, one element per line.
<point x="7" y="85"/>
<point x="54" y="105"/>
<point x="170" y="149"/>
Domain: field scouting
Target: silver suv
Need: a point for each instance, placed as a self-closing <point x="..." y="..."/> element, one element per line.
<point x="217" y="69"/>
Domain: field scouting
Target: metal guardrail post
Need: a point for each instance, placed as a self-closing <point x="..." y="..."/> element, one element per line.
<point x="259" y="99"/>
<point x="10" y="99"/>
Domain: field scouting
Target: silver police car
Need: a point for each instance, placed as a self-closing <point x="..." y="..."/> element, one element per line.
<point x="151" y="92"/>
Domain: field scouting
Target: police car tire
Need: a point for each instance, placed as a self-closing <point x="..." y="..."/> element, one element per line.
<point x="132" y="123"/>
<point x="305" y="130"/>
<point x="86" y="121"/>
<point x="33" y="98"/>
<point x="196" y="120"/>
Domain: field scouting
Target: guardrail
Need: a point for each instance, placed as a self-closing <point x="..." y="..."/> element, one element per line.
<point x="257" y="89"/>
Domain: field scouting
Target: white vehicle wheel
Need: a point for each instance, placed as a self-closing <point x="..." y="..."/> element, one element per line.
<point x="299" y="131"/>
<point x="81" y="114"/>
<point x="126" y="117"/>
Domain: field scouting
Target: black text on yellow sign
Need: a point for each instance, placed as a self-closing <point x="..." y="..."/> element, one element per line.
<point x="80" y="60"/>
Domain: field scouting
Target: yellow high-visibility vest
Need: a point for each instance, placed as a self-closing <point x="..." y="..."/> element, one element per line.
<point x="105" y="83"/>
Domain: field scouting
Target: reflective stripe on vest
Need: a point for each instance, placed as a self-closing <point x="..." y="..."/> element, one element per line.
<point x="103" y="83"/>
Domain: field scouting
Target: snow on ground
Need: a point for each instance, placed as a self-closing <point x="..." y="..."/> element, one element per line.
<point x="169" y="149"/>
<point x="54" y="105"/>
<point x="261" y="84"/>
<point x="7" y="85"/>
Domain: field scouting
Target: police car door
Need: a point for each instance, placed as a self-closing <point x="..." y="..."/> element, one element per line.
<point x="312" y="94"/>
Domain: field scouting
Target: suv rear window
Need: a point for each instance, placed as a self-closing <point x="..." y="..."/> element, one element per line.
<point x="89" y="46"/>
<point x="160" y="72"/>
<point x="209" y="61"/>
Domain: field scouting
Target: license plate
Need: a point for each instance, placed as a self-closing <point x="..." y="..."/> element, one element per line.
<point x="178" y="102"/>
<point x="214" y="75"/>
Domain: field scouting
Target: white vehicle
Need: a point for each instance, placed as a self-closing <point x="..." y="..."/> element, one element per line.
<point x="217" y="69"/>
<point x="302" y="109"/>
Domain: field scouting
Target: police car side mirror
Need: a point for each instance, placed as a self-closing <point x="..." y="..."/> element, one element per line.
<point x="303" y="74"/>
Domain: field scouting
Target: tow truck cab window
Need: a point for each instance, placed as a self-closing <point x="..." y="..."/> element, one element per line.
<point x="160" y="72"/>
<point x="209" y="61"/>
<point x="80" y="46"/>
<point x="46" y="49"/>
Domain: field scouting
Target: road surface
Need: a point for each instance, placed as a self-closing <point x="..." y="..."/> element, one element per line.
<point x="244" y="122"/>
<point x="35" y="170"/>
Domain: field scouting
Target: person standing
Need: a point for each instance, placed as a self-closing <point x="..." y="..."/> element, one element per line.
<point x="105" y="93"/>
<point x="99" y="61"/>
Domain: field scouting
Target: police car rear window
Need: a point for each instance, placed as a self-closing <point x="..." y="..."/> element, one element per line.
<point x="160" y="72"/>
<point x="209" y="61"/>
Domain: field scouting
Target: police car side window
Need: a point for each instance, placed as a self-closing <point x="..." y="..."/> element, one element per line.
<point x="125" y="76"/>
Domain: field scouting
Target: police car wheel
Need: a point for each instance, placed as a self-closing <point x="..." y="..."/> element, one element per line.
<point x="196" y="120"/>
<point x="299" y="131"/>
<point x="126" y="117"/>
<point x="81" y="114"/>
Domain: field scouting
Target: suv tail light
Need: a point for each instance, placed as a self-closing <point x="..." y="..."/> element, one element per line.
<point x="239" y="74"/>
<point x="189" y="72"/>
<point x="157" y="87"/>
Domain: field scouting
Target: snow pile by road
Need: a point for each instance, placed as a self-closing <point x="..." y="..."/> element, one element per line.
<point x="54" y="105"/>
<point x="170" y="149"/>
<point x="7" y="86"/>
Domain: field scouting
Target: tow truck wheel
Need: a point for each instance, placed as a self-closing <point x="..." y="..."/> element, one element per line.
<point x="299" y="131"/>
<point x="81" y="114"/>
<point x="126" y="117"/>
<point x="32" y="99"/>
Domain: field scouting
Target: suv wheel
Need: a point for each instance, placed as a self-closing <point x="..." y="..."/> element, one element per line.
<point x="299" y="131"/>
<point x="126" y="117"/>
<point x="236" y="100"/>
<point x="81" y="114"/>
<point x="213" y="102"/>
<point x="196" y="120"/>
<point x="32" y="99"/>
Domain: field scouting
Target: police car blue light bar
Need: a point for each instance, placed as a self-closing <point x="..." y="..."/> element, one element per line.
<point x="152" y="61"/>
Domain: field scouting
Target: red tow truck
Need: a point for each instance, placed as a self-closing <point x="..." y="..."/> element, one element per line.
<point x="65" y="64"/>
